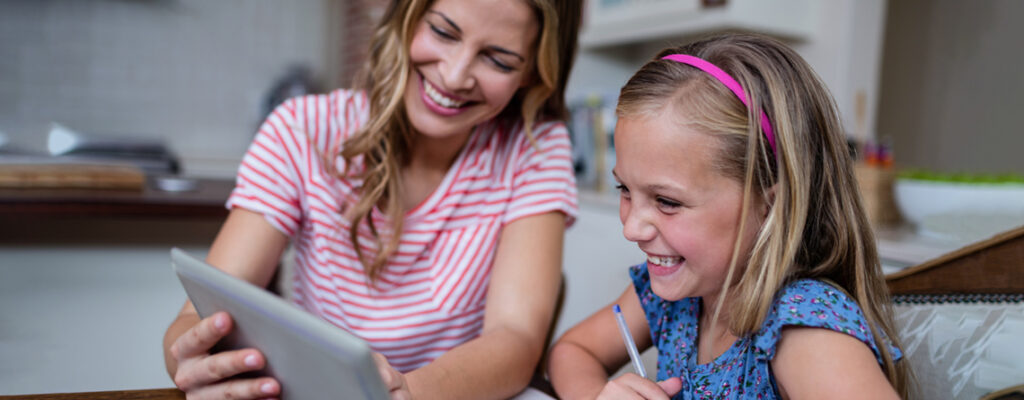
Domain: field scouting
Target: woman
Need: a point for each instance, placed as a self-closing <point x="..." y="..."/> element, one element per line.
<point x="451" y="143"/>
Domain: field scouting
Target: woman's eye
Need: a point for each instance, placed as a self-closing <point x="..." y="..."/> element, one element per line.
<point x="500" y="65"/>
<point x="441" y="32"/>
<point x="668" y="203"/>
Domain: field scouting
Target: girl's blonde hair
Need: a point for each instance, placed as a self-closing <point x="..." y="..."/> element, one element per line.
<point x="815" y="225"/>
<point x="383" y="141"/>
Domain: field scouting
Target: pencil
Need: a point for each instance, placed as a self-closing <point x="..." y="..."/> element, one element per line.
<point x="630" y="344"/>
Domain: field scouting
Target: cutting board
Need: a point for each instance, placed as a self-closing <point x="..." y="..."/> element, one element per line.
<point x="72" y="176"/>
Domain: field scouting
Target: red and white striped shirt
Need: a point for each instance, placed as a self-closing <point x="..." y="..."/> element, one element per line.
<point x="430" y="297"/>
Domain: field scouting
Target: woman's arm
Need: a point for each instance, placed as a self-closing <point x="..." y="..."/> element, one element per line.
<point x="521" y="296"/>
<point x="249" y="248"/>
<point x="583" y="358"/>
<point x="817" y="363"/>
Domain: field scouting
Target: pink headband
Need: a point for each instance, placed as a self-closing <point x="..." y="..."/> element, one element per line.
<point x="730" y="83"/>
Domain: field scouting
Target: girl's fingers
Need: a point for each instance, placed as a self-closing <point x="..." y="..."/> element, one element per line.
<point x="258" y="388"/>
<point x="200" y="338"/>
<point x="216" y="367"/>
<point x="671" y="386"/>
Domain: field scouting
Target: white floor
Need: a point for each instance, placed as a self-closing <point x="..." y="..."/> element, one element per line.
<point x="91" y="317"/>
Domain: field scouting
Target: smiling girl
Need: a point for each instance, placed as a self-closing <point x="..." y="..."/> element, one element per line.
<point x="421" y="205"/>
<point x="762" y="280"/>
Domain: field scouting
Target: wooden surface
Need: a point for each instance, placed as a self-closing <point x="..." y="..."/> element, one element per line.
<point x="74" y="176"/>
<point x="993" y="266"/>
<point x="149" y="394"/>
<point x="207" y="200"/>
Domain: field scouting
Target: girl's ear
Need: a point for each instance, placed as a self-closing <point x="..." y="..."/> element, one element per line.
<point x="769" y="200"/>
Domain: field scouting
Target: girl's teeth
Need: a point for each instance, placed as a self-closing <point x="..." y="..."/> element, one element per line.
<point x="664" y="261"/>
<point x="439" y="98"/>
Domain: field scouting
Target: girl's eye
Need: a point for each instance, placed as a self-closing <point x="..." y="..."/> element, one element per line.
<point x="623" y="191"/>
<point x="668" y="203"/>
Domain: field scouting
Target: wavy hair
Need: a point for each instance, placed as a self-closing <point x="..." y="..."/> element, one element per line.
<point x="383" y="141"/>
<point x="815" y="226"/>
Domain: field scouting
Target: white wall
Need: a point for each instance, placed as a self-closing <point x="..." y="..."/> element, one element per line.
<point x="192" y="71"/>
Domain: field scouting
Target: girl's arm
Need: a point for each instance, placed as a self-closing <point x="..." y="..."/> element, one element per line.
<point x="583" y="358"/>
<point x="249" y="248"/>
<point x="521" y="296"/>
<point x="817" y="363"/>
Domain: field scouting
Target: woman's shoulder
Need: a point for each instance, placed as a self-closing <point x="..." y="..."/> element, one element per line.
<point x="322" y="116"/>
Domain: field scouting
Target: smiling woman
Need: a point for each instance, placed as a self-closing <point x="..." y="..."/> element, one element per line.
<point x="421" y="205"/>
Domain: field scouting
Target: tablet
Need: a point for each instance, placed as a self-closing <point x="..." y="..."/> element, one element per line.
<point x="310" y="357"/>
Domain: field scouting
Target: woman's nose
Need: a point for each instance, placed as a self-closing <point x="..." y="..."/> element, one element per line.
<point x="457" y="72"/>
<point x="636" y="227"/>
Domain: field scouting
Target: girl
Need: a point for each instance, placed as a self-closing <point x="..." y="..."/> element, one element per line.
<point x="420" y="207"/>
<point x="762" y="279"/>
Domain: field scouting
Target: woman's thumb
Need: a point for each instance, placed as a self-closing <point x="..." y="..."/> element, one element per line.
<point x="671" y="386"/>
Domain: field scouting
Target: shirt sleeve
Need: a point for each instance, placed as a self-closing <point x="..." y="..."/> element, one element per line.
<point x="543" y="179"/>
<point x="268" y="177"/>
<point x="816" y="304"/>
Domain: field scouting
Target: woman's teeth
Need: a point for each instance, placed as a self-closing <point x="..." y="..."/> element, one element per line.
<point x="439" y="98"/>
<point x="664" y="261"/>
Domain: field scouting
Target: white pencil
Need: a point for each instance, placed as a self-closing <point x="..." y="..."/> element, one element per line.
<point x="630" y="344"/>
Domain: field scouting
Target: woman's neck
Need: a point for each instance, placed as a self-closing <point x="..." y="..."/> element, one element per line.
<point x="435" y="154"/>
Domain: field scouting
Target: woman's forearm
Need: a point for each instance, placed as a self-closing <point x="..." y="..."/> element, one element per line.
<point x="496" y="365"/>
<point x="574" y="372"/>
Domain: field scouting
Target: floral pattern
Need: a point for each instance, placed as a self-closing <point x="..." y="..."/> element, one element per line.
<point x="743" y="371"/>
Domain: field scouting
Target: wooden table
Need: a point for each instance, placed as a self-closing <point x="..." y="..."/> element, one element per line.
<point x="148" y="394"/>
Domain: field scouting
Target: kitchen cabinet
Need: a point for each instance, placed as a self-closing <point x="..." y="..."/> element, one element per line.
<point x="624" y="22"/>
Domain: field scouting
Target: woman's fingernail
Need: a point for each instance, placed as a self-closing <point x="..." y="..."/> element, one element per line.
<point x="250" y="360"/>
<point x="219" y="322"/>
<point x="267" y="388"/>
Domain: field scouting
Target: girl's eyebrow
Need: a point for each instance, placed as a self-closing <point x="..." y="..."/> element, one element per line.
<point x="455" y="27"/>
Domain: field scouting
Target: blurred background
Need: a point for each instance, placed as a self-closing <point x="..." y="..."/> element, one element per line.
<point x="175" y="90"/>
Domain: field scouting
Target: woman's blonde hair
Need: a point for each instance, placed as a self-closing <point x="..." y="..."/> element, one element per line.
<point x="383" y="141"/>
<point x="815" y="225"/>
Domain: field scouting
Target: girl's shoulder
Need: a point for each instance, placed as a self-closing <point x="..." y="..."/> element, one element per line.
<point x="814" y="303"/>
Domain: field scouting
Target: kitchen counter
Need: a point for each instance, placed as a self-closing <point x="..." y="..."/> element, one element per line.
<point x="207" y="199"/>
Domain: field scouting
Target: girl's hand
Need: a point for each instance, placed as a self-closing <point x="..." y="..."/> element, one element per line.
<point x="201" y="374"/>
<point x="395" y="381"/>
<point x="632" y="386"/>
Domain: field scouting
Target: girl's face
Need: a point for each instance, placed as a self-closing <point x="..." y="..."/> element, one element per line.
<point x="680" y="211"/>
<point x="468" y="59"/>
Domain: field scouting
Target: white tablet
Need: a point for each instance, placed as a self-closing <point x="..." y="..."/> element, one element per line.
<point x="310" y="357"/>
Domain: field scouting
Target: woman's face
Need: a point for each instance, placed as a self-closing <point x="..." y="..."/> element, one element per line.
<point x="680" y="210"/>
<point x="468" y="59"/>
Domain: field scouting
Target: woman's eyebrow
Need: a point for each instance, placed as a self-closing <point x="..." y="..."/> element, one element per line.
<point x="455" y="27"/>
<point x="446" y="19"/>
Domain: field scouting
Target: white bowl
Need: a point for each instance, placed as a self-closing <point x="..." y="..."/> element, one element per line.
<point x="958" y="210"/>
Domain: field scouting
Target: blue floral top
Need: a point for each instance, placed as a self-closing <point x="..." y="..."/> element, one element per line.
<point x="743" y="371"/>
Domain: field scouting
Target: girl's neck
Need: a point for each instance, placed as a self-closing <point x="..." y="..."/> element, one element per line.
<point x="713" y="334"/>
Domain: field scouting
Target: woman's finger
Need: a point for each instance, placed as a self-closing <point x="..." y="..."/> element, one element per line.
<point x="213" y="368"/>
<point x="200" y="338"/>
<point x="258" y="388"/>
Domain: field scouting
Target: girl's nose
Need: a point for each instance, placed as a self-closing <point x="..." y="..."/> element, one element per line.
<point x="636" y="227"/>
<point x="456" y="70"/>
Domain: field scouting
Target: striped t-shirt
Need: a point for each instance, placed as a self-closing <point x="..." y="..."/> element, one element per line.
<point x="430" y="297"/>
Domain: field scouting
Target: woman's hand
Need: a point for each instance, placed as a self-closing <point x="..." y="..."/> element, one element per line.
<point x="632" y="386"/>
<point x="395" y="381"/>
<point x="201" y="375"/>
